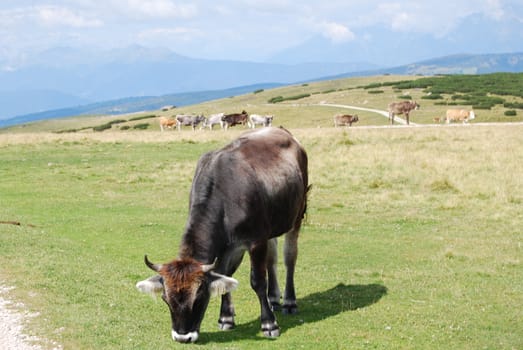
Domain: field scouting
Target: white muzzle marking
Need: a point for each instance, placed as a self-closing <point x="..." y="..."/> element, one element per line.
<point x="190" y="337"/>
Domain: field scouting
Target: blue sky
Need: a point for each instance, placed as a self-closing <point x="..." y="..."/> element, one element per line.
<point x="253" y="30"/>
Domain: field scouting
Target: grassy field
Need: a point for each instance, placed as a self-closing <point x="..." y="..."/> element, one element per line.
<point x="412" y="239"/>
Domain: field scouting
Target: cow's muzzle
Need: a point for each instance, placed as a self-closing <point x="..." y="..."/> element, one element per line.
<point x="190" y="337"/>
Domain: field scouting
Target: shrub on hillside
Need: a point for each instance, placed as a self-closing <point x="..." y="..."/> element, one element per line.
<point x="276" y="99"/>
<point x="513" y="105"/>
<point x="372" y="86"/>
<point x="149" y="116"/>
<point x="102" y="127"/>
<point x="117" y="121"/>
<point x="432" y="97"/>
<point x="290" y="98"/>
<point x="141" y="126"/>
<point x="511" y="113"/>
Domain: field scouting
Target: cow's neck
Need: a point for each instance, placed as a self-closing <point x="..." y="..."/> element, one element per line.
<point x="196" y="244"/>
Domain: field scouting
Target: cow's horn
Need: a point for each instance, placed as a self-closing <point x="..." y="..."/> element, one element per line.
<point x="155" y="267"/>
<point x="207" y="268"/>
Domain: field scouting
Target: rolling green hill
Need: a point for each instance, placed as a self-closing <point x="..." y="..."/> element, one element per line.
<point x="495" y="98"/>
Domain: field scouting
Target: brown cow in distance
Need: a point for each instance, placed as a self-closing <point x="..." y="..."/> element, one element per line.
<point x="166" y="123"/>
<point x="235" y="119"/>
<point x="345" y="119"/>
<point x="403" y="107"/>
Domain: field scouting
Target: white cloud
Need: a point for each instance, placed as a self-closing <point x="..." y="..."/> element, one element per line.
<point x="60" y="16"/>
<point x="230" y="28"/>
<point x="494" y="9"/>
<point x="159" y="9"/>
<point x="158" y="36"/>
<point x="337" y="33"/>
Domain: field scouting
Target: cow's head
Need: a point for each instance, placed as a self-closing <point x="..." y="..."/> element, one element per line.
<point x="186" y="287"/>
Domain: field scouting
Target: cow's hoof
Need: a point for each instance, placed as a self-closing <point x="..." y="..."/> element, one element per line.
<point x="226" y="323"/>
<point x="290" y="309"/>
<point x="271" y="330"/>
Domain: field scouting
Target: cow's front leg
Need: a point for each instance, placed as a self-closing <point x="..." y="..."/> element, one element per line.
<point x="228" y="265"/>
<point x="226" y="320"/>
<point x="258" y="254"/>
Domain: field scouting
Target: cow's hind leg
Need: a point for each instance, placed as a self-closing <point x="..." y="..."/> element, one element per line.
<point x="290" y="251"/>
<point x="272" y="262"/>
<point x="258" y="254"/>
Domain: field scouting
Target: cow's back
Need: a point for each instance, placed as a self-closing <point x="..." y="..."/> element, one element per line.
<point x="256" y="185"/>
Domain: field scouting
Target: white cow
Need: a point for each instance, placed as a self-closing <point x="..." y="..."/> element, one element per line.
<point x="188" y="120"/>
<point x="265" y="120"/>
<point x="212" y="120"/>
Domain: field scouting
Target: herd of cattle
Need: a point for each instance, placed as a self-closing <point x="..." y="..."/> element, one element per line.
<point x="252" y="120"/>
<point x="224" y="120"/>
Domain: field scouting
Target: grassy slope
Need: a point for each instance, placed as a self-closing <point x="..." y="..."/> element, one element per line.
<point x="298" y="113"/>
<point x="412" y="239"/>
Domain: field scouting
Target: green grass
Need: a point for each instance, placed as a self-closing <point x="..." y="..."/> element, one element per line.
<point x="412" y="238"/>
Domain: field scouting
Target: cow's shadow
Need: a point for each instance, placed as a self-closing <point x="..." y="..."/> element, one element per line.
<point x="312" y="308"/>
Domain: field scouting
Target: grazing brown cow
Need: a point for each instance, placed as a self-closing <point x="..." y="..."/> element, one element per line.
<point x="460" y="115"/>
<point x="345" y="119"/>
<point x="166" y="123"/>
<point x="403" y="107"/>
<point x="235" y="119"/>
<point x="243" y="196"/>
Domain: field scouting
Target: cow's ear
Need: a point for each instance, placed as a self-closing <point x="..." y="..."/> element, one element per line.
<point x="221" y="284"/>
<point x="152" y="285"/>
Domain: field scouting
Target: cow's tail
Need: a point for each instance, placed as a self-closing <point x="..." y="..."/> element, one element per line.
<point x="303" y="214"/>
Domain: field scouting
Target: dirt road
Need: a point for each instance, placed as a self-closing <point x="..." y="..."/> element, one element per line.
<point x="12" y="323"/>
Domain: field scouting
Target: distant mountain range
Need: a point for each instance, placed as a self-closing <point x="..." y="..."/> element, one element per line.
<point x="136" y="79"/>
<point x="66" y="77"/>
<point x="454" y="64"/>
